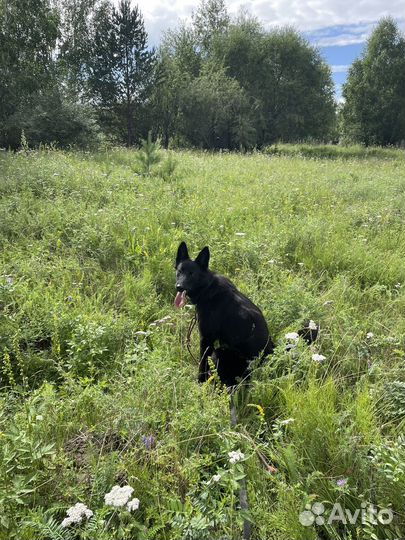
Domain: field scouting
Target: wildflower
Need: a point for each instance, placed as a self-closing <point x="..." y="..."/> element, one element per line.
<point x="240" y="234"/>
<point x="341" y="482"/>
<point x="318" y="357"/>
<point x="292" y="335"/>
<point x="236" y="456"/>
<point x="164" y="320"/>
<point x="141" y="333"/>
<point x="76" y="514"/>
<point x="39" y="417"/>
<point x="272" y="261"/>
<point x="118" y="496"/>
<point x="148" y="441"/>
<point x="216" y="478"/>
<point x="133" y="505"/>
<point x="312" y="325"/>
<point x="287" y="421"/>
<point x="369" y="335"/>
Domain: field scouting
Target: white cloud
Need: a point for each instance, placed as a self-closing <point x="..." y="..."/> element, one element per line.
<point x="339" y="68"/>
<point x="306" y="15"/>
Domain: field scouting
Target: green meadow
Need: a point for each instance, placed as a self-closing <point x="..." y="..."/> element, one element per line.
<point x="98" y="387"/>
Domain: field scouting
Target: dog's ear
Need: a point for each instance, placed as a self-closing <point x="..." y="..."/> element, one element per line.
<point x="203" y="258"/>
<point x="182" y="254"/>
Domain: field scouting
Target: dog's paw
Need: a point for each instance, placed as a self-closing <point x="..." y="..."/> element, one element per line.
<point x="202" y="378"/>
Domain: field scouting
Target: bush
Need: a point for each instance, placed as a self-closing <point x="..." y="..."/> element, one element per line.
<point x="52" y="120"/>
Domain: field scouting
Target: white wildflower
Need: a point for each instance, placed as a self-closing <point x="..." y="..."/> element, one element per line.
<point x="240" y="234"/>
<point x="164" y="320"/>
<point x="39" y="418"/>
<point x="216" y="478"/>
<point x="312" y="325"/>
<point x="318" y="357"/>
<point x="287" y="421"/>
<point x="66" y="522"/>
<point x="369" y="335"/>
<point x="118" y="496"/>
<point x="236" y="456"/>
<point x="76" y="513"/>
<point x="292" y="335"/>
<point x="133" y="505"/>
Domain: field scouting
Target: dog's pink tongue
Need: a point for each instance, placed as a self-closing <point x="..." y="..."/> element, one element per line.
<point x="180" y="299"/>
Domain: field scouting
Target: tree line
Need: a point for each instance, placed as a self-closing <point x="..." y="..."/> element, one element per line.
<point x="77" y="72"/>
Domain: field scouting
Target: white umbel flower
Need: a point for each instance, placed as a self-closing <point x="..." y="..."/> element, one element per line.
<point x="318" y="357"/>
<point x="292" y="336"/>
<point x="236" y="456"/>
<point x="369" y="335"/>
<point x="76" y="514"/>
<point x="118" y="496"/>
<point x="133" y="505"/>
<point x="312" y="325"/>
<point x="216" y="478"/>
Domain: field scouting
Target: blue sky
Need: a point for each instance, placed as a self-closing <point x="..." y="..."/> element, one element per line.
<point x="338" y="27"/>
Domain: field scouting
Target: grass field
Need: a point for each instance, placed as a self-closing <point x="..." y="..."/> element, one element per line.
<point x="95" y="395"/>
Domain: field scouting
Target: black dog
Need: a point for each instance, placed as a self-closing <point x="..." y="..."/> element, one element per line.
<point x="233" y="330"/>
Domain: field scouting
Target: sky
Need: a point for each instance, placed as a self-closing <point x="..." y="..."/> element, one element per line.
<point x="338" y="27"/>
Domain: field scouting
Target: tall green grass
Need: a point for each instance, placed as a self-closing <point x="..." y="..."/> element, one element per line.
<point x="94" y="394"/>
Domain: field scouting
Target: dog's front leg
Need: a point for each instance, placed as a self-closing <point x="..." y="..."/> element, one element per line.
<point x="206" y="349"/>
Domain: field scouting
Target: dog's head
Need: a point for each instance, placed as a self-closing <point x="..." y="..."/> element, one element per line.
<point x="191" y="276"/>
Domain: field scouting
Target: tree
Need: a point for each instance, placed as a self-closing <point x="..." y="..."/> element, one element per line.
<point x="287" y="80"/>
<point x="166" y="97"/>
<point x="74" y="50"/>
<point x="210" y="18"/>
<point x="121" y="66"/>
<point x="374" y="109"/>
<point x="28" y="33"/>
<point x="181" y="45"/>
<point x="134" y="67"/>
<point x="179" y="62"/>
<point x="215" y="112"/>
<point x="296" y="89"/>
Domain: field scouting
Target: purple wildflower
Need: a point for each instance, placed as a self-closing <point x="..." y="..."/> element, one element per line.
<point x="341" y="482"/>
<point x="149" y="441"/>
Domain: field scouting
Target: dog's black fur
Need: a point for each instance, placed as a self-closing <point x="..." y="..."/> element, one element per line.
<point x="232" y="328"/>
